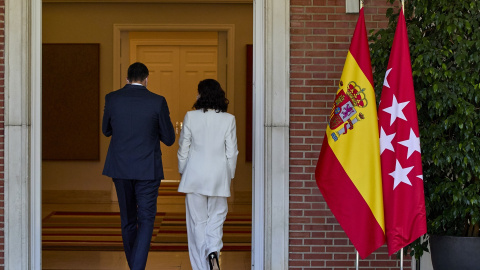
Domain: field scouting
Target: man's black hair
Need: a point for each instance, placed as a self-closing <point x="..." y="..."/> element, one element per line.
<point x="137" y="72"/>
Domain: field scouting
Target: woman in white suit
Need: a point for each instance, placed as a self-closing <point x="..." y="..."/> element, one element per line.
<point x="207" y="158"/>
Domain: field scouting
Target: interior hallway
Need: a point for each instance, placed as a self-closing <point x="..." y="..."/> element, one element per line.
<point x="158" y="260"/>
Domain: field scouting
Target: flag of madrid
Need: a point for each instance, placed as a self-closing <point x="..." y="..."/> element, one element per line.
<point x="400" y="154"/>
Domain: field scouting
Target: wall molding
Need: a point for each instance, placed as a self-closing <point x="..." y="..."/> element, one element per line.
<point x="271" y="103"/>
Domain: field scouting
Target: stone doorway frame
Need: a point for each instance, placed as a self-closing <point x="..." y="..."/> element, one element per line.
<point x="23" y="130"/>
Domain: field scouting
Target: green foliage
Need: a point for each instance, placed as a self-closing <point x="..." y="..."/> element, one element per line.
<point x="444" y="38"/>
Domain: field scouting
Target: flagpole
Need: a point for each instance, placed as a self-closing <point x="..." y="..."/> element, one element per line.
<point x="401" y="255"/>
<point x="401" y="252"/>
<point x="356" y="261"/>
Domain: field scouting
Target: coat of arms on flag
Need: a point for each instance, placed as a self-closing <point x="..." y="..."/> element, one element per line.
<point x="344" y="112"/>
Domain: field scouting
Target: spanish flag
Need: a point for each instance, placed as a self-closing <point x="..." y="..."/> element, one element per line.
<point x="348" y="171"/>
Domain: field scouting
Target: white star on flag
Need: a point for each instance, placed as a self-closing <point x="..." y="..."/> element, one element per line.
<point x="385" y="82"/>
<point x="386" y="141"/>
<point x="400" y="175"/>
<point x="420" y="176"/>
<point x="396" y="110"/>
<point x="413" y="143"/>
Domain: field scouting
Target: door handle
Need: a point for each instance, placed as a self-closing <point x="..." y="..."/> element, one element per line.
<point x="177" y="125"/>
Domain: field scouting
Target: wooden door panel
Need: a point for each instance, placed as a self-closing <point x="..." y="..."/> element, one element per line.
<point x="163" y="65"/>
<point x="196" y="63"/>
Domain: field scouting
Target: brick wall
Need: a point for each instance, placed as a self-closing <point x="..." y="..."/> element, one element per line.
<point x="320" y="37"/>
<point x="2" y="129"/>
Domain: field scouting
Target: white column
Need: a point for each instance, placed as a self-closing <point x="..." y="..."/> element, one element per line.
<point x="22" y="134"/>
<point x="271" y="134"/>
<point x="16" y="135"/>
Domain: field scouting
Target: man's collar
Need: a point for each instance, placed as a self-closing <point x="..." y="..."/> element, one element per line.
<point x="134" y="86"/>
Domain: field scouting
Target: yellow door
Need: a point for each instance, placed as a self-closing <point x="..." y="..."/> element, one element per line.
<point x="175" y="71"/>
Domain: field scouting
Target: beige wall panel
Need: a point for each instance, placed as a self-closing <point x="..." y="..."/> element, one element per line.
<point x="93" y="23"/>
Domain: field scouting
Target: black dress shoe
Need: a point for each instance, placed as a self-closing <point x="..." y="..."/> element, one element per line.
<point x="213" y="261"/>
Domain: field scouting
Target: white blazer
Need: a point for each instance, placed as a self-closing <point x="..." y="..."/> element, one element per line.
<point x="207" y="153"/>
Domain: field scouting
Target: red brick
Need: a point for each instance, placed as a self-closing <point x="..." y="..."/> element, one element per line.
<point x="301" y="17"/>
<point x="300" y="206"/>
<point x="317" y="38"/>
<point x="315" y="199"/>
<point x="295" y="242"/>
<point x="300" y="2"/>
<point x="296" y="10"/>
<point x="318" y="242"/>
<point x="318" y="256"/>
<point x="299" y="249"/>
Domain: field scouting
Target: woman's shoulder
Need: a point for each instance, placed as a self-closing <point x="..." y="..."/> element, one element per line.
<point x="229" y="115"/>
<point x="194" y="112"/>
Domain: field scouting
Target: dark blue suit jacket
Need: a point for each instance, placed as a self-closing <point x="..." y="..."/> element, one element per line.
<point x="137" y="120"/>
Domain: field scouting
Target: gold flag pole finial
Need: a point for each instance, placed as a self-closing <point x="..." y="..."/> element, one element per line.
<point x="361" y="4"/>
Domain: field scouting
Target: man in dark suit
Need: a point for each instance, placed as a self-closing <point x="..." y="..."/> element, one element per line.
<point x="137" y="120"/>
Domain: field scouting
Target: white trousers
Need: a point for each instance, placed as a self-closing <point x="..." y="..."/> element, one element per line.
<point x="205" y="216"/>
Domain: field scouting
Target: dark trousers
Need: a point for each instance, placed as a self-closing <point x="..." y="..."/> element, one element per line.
<point x="138" y="207"/>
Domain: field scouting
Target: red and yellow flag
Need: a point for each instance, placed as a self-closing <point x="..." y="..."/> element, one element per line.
<point x="348" y="171"/>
